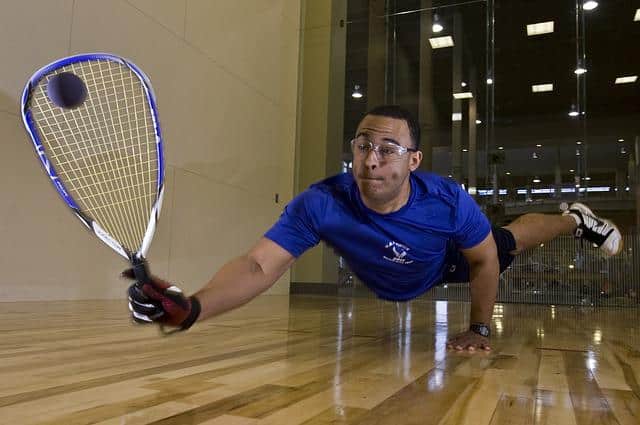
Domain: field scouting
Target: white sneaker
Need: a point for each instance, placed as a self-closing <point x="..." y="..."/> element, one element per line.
<point x="599" y="231"/>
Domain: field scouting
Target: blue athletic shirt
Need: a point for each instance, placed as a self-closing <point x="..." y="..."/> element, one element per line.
<point x="399" y="255"/>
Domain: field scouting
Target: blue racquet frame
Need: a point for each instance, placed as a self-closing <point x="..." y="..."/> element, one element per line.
<point x="30" y="126"/>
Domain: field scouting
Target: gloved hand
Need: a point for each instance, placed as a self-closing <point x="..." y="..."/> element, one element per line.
<point x="160" y="302"/>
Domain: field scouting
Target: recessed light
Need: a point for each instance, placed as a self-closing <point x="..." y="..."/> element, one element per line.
<point x="541" y="88"/>
<point x="580" y="70"/>
<point x="578" y="142"/>
<point x="620" y="140"/>
<point x="456" y="116"/>
<point x="500" y="148"/>
<point x="540" y="28"/>
<point x="441" y="42"/>
<point x="589" y="5"/>
<point x="571" y="170"/>
<point x="627" y="79"/>
<point x="357" y="94"/>
<point x="538" y="145"/>
<point x="463" y="95"/>
<point x="508" y="173"/>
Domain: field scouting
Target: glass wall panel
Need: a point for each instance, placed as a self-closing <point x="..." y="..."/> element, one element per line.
<point x="531" y="105"/>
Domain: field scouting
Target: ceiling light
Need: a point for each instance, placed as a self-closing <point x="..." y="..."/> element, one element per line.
<point x="500" y="148"/>
<point x="540" y="88"/>
<point x="578" y="142"/>
<point x="478" y="121"/>
<point x="464" y="149"/>
<point x="441" y="42"/>
<point x="623" y="150"/>
<point x="463" y="95"/>
<point x="538" y="145"/>
<point x="489" y="80"/>
<point x="456" y="116"/>
<point x="357" y="94"/>
<point x="580" y="70"/>
<point x="573" y="112"/>
<point x="571" y="170"/>
<point x="540" y="28"/>
<point x="463" y="84"/>
<point x="620" y="140"/>
<point x="587" y="178"/>
<point x="536" y="180"/>
<point x="437" y="25"/>
<point x="628" y="79"/>
<point x="589" y="5"/>
<point x="637" y="16"/>
<point x="508" y="173"/>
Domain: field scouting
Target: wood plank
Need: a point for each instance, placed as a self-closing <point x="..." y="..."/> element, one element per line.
<point x="316" y="360"/>
<point x="589" y="404"/>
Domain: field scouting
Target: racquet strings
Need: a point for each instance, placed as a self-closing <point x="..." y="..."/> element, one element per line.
<point x="104" y="151"/>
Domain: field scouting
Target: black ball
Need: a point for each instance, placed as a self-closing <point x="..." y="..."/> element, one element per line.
<point x="66" y="90"/>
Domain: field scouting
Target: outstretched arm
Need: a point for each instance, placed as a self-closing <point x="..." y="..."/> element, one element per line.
<point x="484" y="271"/>
<point x="244" y="278"/>
<point x="236" y="283"/>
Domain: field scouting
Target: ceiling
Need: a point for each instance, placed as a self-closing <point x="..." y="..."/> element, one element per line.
<point x="521" y="119"/>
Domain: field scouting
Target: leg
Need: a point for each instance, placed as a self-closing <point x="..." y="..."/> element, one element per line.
<point x="532" y="229"/>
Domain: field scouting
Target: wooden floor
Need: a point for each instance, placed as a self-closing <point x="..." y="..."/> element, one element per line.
<point x="318" y="360"/>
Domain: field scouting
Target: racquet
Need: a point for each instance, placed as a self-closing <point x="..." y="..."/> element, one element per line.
<point x="94" y="125"/>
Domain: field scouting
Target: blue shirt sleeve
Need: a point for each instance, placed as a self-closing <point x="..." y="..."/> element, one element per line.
<point x="297" y="228"/>
<point x="472" y="226"/>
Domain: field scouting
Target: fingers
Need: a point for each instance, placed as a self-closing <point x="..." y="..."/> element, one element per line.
<point x="469" y="344"/>
<point x="469" y="347"/>
<point x="143" y="309"/>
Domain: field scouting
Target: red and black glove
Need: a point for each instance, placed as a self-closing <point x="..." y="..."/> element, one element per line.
<point x="160" y="302"/>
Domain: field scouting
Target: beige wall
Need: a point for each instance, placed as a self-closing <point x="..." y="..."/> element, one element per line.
<point x="322" y="67"/>
<point x="225" y="74"/>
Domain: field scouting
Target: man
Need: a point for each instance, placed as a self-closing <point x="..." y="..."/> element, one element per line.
<point x="401" y="231"/>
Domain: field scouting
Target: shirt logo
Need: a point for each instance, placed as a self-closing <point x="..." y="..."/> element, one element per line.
<point x="399" y="253"/>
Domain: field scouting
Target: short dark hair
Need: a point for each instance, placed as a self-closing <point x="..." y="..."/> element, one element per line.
<point x="400" y="113"/>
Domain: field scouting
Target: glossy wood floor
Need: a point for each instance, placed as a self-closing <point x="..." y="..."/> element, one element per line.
<point x="318" y="360"/>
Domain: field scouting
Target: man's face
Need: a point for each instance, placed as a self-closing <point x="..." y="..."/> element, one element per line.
<point x="380" y="180"/>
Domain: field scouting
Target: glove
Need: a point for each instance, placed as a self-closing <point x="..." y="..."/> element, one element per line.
<point x="160" y="302"/>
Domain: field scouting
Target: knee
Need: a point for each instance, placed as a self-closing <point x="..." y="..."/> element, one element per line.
<point x="519" y="243"/>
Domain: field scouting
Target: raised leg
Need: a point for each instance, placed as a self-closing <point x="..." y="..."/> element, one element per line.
<point x="532" y="229"/>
